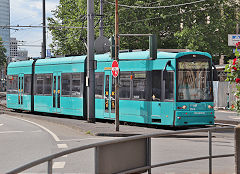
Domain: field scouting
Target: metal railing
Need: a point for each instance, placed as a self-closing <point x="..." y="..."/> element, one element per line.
<point x="147" y="165"/>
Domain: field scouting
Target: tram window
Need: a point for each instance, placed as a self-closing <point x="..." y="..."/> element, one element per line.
<point x="156" y="85"/>
<point x="66" y="84"/>
<point x="76" y="84"/>
<point x="12" y="84"/>
<point x="39" y="84"/>
<point x="99" y="82"/>
<point x="27" y="84"/>
<point x="139" y="85"/>
<point x="125" y="81"/>
<point x="169" y="86"/>
<point x="47" y="85"/>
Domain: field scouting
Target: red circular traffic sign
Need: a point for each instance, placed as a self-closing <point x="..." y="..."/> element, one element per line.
<point x="115" y="68"/>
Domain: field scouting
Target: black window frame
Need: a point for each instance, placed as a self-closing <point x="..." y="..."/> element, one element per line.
<point x="81" y="86"/>
<point x="12" y="90"/>
<point x="99" y="82"/>
<point x="120" y="85"/>
<point x="27" y="86"/>
<point x="173" y="87"/>
<point x="147" y="87"/>
<point x="43" y="86"/>
<point x="158" y="87"/>
<point x="190" y="58"/>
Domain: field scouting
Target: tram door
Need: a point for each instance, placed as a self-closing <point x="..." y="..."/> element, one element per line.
<point x="109" y="95"/>
<point x="20" y="90"/>
<point x="56" y="91"/>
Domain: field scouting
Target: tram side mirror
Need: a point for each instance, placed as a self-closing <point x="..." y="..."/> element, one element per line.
<point x="215" y="75"/>
<point x="165" y="74"/>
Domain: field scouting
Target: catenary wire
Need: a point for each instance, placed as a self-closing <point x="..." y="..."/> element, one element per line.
<point x="158" y="7"/>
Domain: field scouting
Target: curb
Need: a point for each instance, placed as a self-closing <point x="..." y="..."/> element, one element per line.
<point x="77" y="127"/>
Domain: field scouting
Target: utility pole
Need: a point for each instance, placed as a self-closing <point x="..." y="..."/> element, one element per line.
<point x="117" y="59"/>
<point x="44" y="30"/>
<point x="101" y="19"/>
<point x="90" y="79"/>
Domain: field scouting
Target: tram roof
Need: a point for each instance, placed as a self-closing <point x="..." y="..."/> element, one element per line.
<point x="105" y="57"/>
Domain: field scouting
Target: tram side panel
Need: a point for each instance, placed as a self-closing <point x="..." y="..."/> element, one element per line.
<point x="19" y="85"/>
<point x="59" y="88"/>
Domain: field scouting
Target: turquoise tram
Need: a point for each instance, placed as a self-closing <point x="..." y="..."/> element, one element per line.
<point x="174" y="89"/>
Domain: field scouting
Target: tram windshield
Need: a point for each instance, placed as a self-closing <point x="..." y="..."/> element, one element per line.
<point x="194" y="81"/>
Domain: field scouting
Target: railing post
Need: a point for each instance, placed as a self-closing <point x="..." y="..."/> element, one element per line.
<point x="210" y="150"/>
<point x="149" y="154"/>
<point x="50" y="167"/>
<point x="237" y="148"/>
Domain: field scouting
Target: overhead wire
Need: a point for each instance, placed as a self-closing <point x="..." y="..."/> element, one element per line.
<point x="158" y="17"/>
<point x="158" y="7"/>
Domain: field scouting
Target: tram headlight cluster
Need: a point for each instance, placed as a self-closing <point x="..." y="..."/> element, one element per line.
<point x="210" y="107"/>
<point x="183" y="107"/>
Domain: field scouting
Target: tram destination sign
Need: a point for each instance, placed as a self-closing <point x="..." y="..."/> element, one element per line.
<point x="115" y="69"/>
<point x="193" y="65"/>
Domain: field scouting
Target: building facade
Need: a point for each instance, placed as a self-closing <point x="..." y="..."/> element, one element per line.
<point x="17" y="54"/>
<point x="5" y="35"/>
<point x="13" y="48"/>
<point x="5" y="21"/>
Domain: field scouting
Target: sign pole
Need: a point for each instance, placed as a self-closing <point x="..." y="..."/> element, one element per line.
<point x="90" y="63"/>
<point x="117" y="59"/>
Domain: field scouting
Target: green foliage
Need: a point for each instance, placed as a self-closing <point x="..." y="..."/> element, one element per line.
<point x="176" y="27"/>
<point x="3" y="57"/>
<point x="207" y="30"/>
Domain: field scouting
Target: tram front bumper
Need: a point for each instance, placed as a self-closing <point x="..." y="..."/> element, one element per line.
<point x="184" y="118"/>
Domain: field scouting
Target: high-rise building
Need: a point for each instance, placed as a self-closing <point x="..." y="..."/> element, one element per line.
<point x="5" y="21"/>
<point x="5" y="35"/>
<point x="13" y="48"/>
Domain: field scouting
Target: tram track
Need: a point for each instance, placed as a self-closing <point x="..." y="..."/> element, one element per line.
<point x="5" y="110"/>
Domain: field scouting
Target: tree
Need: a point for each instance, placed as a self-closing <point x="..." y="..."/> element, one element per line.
<point x="201" y="26"/>
<point x="207" y="30"/>
<point x="3" y="57"/>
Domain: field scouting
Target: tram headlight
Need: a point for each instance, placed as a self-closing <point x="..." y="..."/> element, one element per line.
<point x="210" y="107"/>
<point x="183" y="107"/>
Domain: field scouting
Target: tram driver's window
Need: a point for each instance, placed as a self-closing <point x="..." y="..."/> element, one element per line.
<point x="156" y="85"/>
<point x="169" y="86"/>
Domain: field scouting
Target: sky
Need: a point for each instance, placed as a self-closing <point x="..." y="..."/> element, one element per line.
<point x="29" y="12"/>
